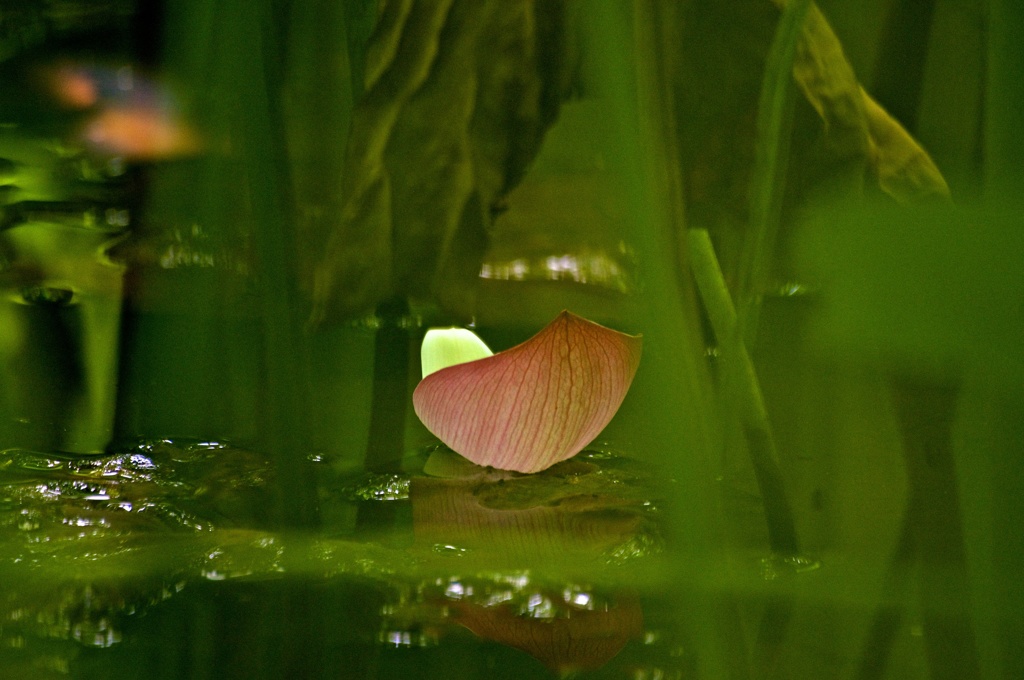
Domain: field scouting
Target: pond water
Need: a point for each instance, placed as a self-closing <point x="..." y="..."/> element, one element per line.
<point x="154" y="562"/>
<point x="160" y="561"/>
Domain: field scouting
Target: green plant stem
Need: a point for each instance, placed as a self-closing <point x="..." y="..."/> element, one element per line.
<point x="285" y="426"/>
<point x="1004" y="96"/>
<point x="768" y="184"/>
<point x="714" y="294"/>
<point x="390" y="400"/>
<point x="389" y="404"/>
<point x="679" y="414"/>
<point x="741" y="380"/>
<point x="1000" y="559"/>
<point x="774" y="118"/>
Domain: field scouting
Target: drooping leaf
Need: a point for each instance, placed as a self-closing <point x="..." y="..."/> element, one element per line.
<point x="855" y="122"/>
<point x="458" y="96"/>
<point x="905" y="170"/>
<point x="827" y="81"/>
<point x="536" y="404"/>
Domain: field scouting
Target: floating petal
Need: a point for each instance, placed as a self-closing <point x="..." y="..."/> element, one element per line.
<point x="536" y="404"/>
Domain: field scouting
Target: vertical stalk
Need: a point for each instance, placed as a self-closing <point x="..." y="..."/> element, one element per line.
<point x="680" y="418"/>
<point x="285" y="428"/>
<point x="735" y="324"/>
<point x="751" y="411"/>
<point x="385" y="444"/>
<point x="1004" y="168"/>
<point x="888" y="617"/>
<point x="926" y="411"/>
<point x="774" y="118"/>
<point x="390" y="401"/>
<point x="1004" y="98"/>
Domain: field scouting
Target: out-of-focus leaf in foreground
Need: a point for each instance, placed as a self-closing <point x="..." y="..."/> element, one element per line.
<point x="932" y="291"/>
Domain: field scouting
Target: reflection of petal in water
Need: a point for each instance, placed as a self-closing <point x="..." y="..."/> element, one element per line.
<point x="567" y="625"/>
<point x="451" y="512"/>
<point x="572" y="639"/>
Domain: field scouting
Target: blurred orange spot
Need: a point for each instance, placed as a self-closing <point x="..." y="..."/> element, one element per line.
<point x="71" y="86"/>
<point x="140" y="133"/>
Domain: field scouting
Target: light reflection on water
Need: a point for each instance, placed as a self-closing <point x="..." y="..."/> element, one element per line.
<point x="594" y="268"/>
<point x="94" y="543"/>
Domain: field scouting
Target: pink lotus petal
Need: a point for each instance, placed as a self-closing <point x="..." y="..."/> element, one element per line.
<point x="536" y="404"/>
